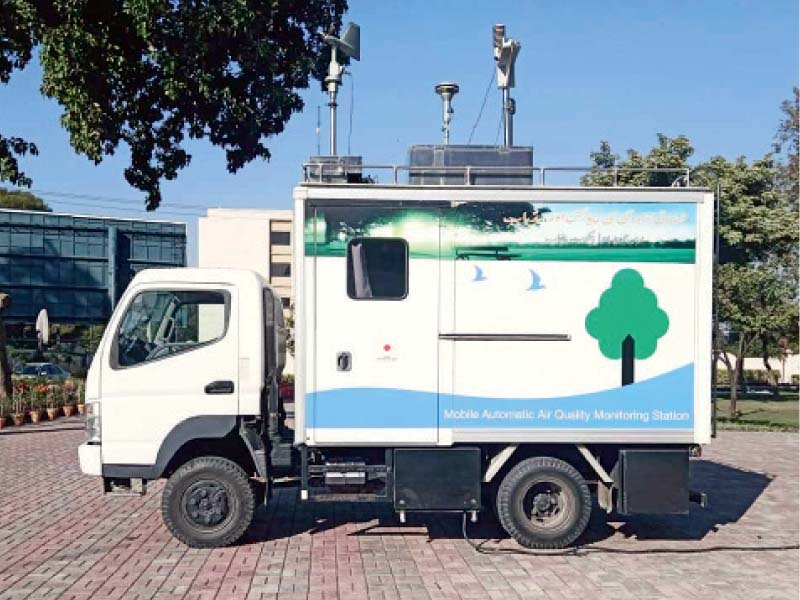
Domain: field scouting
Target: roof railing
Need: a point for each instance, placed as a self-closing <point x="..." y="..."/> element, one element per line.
<point x="314" y="172"/>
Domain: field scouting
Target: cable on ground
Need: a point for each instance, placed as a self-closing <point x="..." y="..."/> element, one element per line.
<point x="584" y="549"/>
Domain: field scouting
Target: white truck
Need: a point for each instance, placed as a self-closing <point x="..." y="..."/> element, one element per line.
<point x="459" y="346"/>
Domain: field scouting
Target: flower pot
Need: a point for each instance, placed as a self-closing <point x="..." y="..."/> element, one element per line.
<point x="52" y="412"/>
<point x="36" y="416"/>
<point x="18" y="419"/>
<point x="2" y="421"/>
<point x="81" y="409"/>
<point x="69" y="410"/>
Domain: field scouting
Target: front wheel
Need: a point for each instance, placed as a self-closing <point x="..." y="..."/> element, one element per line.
<point x="544" y="503"/>
<point x="208" y="502"/>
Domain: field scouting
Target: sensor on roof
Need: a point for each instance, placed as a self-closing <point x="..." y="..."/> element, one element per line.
<point x="505" y="54"/>
<point x="446" y="90"/>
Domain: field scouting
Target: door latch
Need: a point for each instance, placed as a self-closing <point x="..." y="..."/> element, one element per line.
<point x="344" y="361"/>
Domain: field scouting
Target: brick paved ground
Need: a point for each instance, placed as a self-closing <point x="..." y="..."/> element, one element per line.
<point x="59" y="537"/>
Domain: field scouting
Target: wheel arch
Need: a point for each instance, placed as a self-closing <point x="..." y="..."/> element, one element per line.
<point x="566" y="452"/>
<point x="216" y="435"/>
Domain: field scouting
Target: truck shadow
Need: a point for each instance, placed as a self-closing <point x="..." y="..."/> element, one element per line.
<point x="731" y="492"/>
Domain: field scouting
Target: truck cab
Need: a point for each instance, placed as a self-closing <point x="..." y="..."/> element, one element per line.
<point x="187" y="367"/>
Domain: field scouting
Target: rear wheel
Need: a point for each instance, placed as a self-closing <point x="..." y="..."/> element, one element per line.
<point x="544" y="503"/>
<point x="208" y="502"/>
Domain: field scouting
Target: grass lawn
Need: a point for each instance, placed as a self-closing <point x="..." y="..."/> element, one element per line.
<point x="769" y="415"/>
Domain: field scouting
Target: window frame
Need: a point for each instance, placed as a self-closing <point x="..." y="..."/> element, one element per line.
<point x="114" y="354"/>
<point x="348" y="263"/>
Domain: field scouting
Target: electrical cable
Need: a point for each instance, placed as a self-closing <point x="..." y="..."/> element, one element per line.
<point x="154" y="215"/>
<point x="107" y="198"/>
<point x="175" y="209"/>
<point x="584" y="549"/>
<point x="483" y="105"/>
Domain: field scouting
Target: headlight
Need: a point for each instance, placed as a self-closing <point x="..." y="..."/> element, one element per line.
<point x="93" y="422"/>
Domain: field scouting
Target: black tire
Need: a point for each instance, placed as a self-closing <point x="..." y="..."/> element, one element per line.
<point x="544" y="503"/>
<point x="208" y="502"/>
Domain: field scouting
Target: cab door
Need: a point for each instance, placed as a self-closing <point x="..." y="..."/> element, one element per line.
<point x="376" y="287"/>
<point x="171" y="355"/>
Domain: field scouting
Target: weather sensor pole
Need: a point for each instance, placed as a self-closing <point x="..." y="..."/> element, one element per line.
<point x="446" y="90"/>
<point x="350" y="45"/>
<point x="505" y="54"/>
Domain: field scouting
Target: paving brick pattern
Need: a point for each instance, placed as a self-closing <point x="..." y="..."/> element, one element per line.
<point x="60" y="538"/>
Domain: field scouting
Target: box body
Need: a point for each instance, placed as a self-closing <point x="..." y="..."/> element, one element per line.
<point x="513" y="325"/>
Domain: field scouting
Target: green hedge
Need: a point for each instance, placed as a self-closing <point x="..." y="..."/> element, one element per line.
<point x="750" y="376"/>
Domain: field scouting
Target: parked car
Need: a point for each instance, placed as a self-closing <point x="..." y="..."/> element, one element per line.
<point x="749" y="391"/>
<point x="759" y="392"/>
<point x="41" y="369"/>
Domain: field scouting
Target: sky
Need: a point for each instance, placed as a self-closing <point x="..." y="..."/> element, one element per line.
<point x="622" y="71"/>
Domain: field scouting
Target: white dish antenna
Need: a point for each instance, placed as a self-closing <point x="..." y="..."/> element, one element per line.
<point x="349" y="45"/>
<point x="43" y="328"/>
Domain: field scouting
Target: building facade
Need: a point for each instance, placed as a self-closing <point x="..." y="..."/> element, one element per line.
<point x="260" y="240"/>
<point x="77" y="267"/>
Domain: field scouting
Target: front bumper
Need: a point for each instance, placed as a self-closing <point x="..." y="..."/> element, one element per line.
<point x="90" y="459"/>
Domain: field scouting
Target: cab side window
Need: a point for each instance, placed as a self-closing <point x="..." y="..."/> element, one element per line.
<point x="377" y="268"/>
<point x="162" y="323"/>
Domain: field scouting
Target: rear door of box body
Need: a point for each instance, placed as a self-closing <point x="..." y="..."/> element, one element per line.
<point x="375" y="364"/>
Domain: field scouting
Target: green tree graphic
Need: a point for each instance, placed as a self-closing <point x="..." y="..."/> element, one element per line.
<point x="627" y="321"/>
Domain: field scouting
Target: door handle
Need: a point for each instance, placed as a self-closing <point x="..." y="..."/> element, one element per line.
<point x="219" y="387"/>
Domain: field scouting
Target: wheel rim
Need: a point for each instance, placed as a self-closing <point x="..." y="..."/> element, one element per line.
<point x="206" y="504"/>
<point x="547" y="504"/>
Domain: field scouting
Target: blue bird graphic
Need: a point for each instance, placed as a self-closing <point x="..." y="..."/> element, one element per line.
<point x="536" y="281"/>
<point x="479" y="274"/>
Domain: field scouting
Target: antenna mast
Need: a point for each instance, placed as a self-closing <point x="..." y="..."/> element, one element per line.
<point x="505" y="54"/>
<point x="318" y="130"/>
<point x="350" y="45"/>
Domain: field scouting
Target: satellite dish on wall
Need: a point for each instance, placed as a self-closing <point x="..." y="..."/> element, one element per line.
<point x="43" y="328"/>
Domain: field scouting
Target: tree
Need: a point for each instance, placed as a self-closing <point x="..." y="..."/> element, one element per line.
<point x="757" y="280"/>
<point x="787" y="140"/>
<point x="5" y="366"/>
<point x="21" y="200"/>
<point x="146" y="74"/>
<point x="670" y="153"/>
<point x="627" y="322"/>
<point x="16" y="47"/>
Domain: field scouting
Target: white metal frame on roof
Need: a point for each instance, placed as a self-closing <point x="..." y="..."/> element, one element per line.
<point x="474" y="193"/>
<point x="315" y="172"/>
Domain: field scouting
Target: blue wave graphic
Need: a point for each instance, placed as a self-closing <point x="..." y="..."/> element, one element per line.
<point x="662" y="402"/>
